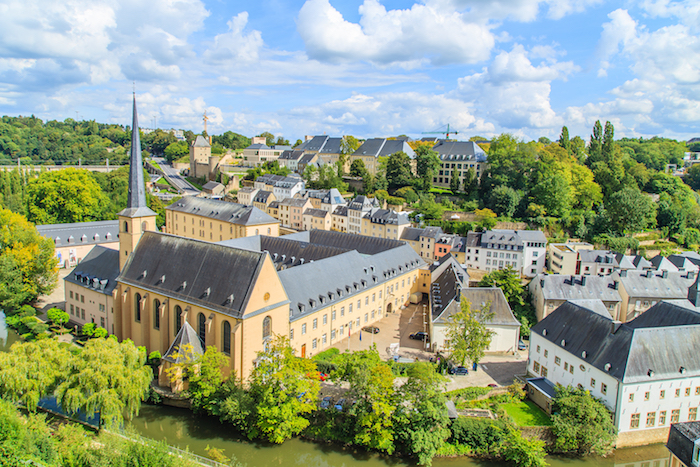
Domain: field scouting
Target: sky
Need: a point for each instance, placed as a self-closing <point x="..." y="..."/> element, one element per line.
<point x="372" y="68"/>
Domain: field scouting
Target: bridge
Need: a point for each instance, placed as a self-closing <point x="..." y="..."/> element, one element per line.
<point x="50" y="168"/>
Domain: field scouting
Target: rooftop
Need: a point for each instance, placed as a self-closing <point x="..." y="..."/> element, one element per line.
<point x="233" y="213"/>
<point x="81" y="233"/>
<point x="98" y="270"/>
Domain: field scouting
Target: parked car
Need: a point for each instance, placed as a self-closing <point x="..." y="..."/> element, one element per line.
<point x="326" y="402"/>
<point x="458" y="370"/>
<point x="521" y="345"/>
<point x="371" y="329"/>
<point x="420" y="336"/>
<point x="340" y="405"/>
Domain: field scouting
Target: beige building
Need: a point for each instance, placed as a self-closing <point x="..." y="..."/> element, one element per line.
<point x="202" y="163"/>
<point x="384" y="223"/>
<point x="423" y="241"/>
<point x="317" y="219"/>
<point x="214" y="221"/>
<point x="456" y="159"/>
<point x="562" y="258"/>
<point x="640" y="290"/>
<point x="291" y="212"/>
<point x="549" y="291"/>
<point x="258" y="152"/>
<point x="339" y="219"/>
<point x="263" y="199"/>
<point x="88" y="288"/>
<point x="73" y="242"/>
<point x="246" y="195"/>
<point x="373" y="149"/>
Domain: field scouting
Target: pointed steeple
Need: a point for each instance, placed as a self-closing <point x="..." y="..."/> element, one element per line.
<point x="136" y="205"/>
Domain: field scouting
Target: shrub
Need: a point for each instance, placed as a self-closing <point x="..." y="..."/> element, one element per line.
<point x="327" y="355"/>
<point x="481" y="435"/>
<point x="468" y="394"/>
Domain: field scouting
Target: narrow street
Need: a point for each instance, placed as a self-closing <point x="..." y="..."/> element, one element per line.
<point x="175" y="179"/>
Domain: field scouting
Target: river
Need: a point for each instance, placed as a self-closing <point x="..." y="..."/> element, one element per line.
<point x="181" y="428"/>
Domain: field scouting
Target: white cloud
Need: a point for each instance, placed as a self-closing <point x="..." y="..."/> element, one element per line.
<point x="516" y="10"/>
<point x="235" y="45"/>
<point x="514" y="92"/>
<point x="405" y="37"/>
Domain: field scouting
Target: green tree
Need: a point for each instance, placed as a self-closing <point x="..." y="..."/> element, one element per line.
<point x="508" y="280"/>
<point x="108" y="377"/>
<point x="421" y="422"/>
<point x="630" y="211"/>
<point x="581" y="423"/>
<point x="505" y="200"/>
<point x="269" y="138"/>
<point x="595" y="147"/>
<point x="427" y="165"/>
<point x="357" y="168"/>
<point x="608" y="149"/>
<point x="203" y="373"/>
<point x="467" y="333"/>
<point x="407" y="193"/>
<point x="564" y="139"/>
<point x="176" y="150"/>
<point x="454" y="182"/>
<point x="398" y="171"/>
<point x="281" y="141"/>
<point x="57" y="316"/>
<point x="523" y="452"/>
<point x="554" y="192"/>
<point x="348" y="145"/>
<point x="27" y="262"/>
<point x="283" y="391"/>
<point x="486" y="218"/>
<point x="372" y="385"/>
<point x="65" y="196"/>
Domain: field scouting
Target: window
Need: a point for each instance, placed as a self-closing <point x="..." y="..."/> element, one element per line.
<point x="156" y="314"/>
<point x="366" y="317"/>
<point x="651" y="419"/>
<point x="314" y="343"/>
<point x="178" y="319"/>
<point x="342" y="311"/>
<point x="71" y="294"/>
<point x="82" y="313"/>
<point x="603" y="388"/>
<point x="333" y="315"/>
<point x="538" y="349"/>
<point x="697" y="391"/>
<point x="662" y="417"/>
<point x="267" y="328"/>
<point x="315" y="323"/>
<point x="662" y="394"/>
<point x="634" y="421"/>
<point x="646" y="396"/>
<point x="324" y="339"/>
<point x="342" y="329"/>
<point x="137" y="308"/>
<point x="291" y="334"/>
<point x="102" y="322"/>
<point x="536" y="367"/>
<point x="631" y="397"/>
<point x="678" y="392"/>
<point x="366" y="301"/>
<point x="675" y="415"/>
<point x="359" y="302"/>
<point x="82" y="299"/>
<point x="571" y="369"/>
<point x="546" y="353"/>
<point x="226" y="338"/>
<point x="202" y="328"/>
<point x="373" y="297"/>
<point x="71" y="309"/>
<point x="544" y="372"/>
<point x="325" y="319"/>
<point x="557" y="361"/>
<point x="687" y="392"/>
<point x="332" y="334"/>
<point x="566" y="366"/>
<point x="303" y="329"/>
<point x="592" y="382"/>
<point x="692" y="414"/>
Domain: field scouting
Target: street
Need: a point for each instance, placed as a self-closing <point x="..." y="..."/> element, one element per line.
<point x="175" y="178"/>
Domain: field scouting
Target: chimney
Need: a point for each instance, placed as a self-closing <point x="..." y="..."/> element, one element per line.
<point x="573" y="280"/>
<point x="694" y="293"/>
<point x="614" y="326"/>
<point x="623" y="273"/>
<point x="210" y="141"/>
<point x="664" y="274"/>
<point x="308" y="137"/>
<point x="583" y="281"/>
<point x="541" y="282"/>
<point x="616" y="285"/>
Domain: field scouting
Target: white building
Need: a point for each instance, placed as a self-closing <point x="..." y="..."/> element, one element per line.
<point x="356" y="211"/>
<point x="523" y="250"/>
<point x="646" y="371"/>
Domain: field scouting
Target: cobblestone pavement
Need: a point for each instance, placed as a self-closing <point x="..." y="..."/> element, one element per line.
<point x="57" y="297"/>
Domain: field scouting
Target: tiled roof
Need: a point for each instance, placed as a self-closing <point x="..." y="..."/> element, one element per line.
<point x="233" y="213"/>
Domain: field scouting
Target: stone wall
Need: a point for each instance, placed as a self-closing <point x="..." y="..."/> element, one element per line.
<point x="642" y="437"/>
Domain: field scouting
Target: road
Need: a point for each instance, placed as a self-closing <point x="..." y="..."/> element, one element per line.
<point x="175" y="178"/>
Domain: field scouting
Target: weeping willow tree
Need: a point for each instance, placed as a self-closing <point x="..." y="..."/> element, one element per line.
<point x="105" y="377"/>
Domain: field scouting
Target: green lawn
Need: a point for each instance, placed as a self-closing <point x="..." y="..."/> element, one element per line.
<point x="526" y="413"/>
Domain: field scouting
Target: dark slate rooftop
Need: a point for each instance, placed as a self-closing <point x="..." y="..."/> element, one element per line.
<point x="341" y="211"/>
<point x="564" y="287"/>
<point x="543" y="385"/>
<point x="262" y="196"/>
<point x="383" y="147"/>
<point x="459" y="151"/>
<point x="291" y="155"/>
<point x="294" y="202"/>
<point x="201" y="142"/>
<point x="363" y="244"/>
<point x="211" y="185"/>
<point x="681" y="440"/>
<point x="333" y="197"/>
<point x="307" y="158"/>
<point x="177" y="352"/>
<point x="443" y="292"/>
<point x="329" y="280"/>
<point x="654" y="285"/>
<point x="322" y="144"/>
<point x="207" y="274"/>
<point x="651" y="349"/>
<point x="233" y="213"/>
<point x="363" y="203"/>
<point x="316" y="213"/>
<point x="81" y="233"/>
<point x="411" y="234"/>
<point x="97" y="271"/>
<point x="387" y="216"/>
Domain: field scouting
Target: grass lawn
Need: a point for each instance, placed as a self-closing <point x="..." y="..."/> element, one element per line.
<point x="440" y="191"/>
<point x="526" y="413"/>
<point x="194" y="183"/>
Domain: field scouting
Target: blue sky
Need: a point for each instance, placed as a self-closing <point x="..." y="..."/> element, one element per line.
<point x="367" y="68"/>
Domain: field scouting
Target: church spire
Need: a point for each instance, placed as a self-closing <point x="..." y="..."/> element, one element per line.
<point x="136" y="205"/>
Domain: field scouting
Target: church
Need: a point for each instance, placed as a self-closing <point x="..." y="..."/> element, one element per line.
<point x="315" y="287"/>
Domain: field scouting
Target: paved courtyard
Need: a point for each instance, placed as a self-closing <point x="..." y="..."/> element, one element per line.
<point x="496" y="369"/>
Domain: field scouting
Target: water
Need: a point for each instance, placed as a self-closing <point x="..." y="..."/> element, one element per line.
<point x="182" y="429"/>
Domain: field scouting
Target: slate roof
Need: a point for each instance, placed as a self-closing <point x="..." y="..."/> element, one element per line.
<point x="322" y="144"/>
<point x="652" y="284"/>
<point x="383" y="147"/>
<point x="459" y="151"/>
<point x="81" y="233"/>
<point x="294" y="202"/>
<point x="362" y="243"/>
<point x="681" y="440"/>
<point x="211" y="185"/>
<point x="262" y="196"/>
<point x="517" y="238"/>
<point x="432" y="232"/>
<point x="201" y="142"/>
<point x="316" y="213"/>
<point x="206" y="274"/>
<point x="363" y="203"/>
<point x="98" y="270"/>
<point x="186" y="336"/>
<point x="291" y="155"/>
<point x="307" y="158"/>
<point x="136" y="205"/>
<point x="341" y="211"/>
<point x="321" y="283"/>
<point x="233" y="213"/>
<point x="543" y="385"/>
<point x="333" y="196"/>
<point x="562" y="287"/>
<point x="651" y="349"/>
<point x="411" y="234"/>
<point x="479" y="297"/>
<point x="387" y="216"/>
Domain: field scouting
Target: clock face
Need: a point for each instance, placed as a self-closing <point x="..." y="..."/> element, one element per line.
<point x="267" y="296"/>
